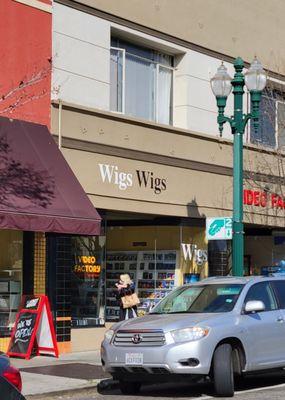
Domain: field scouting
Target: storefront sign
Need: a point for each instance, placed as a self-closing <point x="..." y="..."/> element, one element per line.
<point x="23" y="334"/>
<point x="259" y="198"/>
<point x="87" y="265"/>
<point x="219" y="228"/>
<point x="123" y="179"/>
<point x="33" y="328"/>
<point x="191" y="252"/>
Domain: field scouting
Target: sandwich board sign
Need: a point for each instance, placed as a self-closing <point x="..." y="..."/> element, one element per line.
<point x="220" y="228"/>
<point x="33" y="330"/>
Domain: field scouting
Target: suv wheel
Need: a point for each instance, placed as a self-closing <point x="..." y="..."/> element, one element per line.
<point x="129" y="387"/>
<point x="223" y="371"/>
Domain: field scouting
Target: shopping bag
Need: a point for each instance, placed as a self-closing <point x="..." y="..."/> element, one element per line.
<point x="130" y="300"/>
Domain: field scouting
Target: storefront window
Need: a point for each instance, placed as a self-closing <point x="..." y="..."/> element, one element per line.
<point x="87" y="281"/>
<point x="153" y="258"/>
<point x="11" y="268"/>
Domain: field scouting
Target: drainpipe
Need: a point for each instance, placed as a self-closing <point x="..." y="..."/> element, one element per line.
<point x="59" y="124"/>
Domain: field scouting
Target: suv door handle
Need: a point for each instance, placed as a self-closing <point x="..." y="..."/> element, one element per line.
<point x="280" y="319"/>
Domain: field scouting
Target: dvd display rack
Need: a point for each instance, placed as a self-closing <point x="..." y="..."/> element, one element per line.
<point x="156" y="277"/>
<point x="117" y="263"/>
<point x="152" y="271"/>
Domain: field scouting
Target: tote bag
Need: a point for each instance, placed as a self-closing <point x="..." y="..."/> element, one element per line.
<point x="130" y="300"/>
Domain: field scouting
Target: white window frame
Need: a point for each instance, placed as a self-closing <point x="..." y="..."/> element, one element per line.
<point x="158" y="65"/>
<point x="277" y="125"/>
<point x="123" y="77"/>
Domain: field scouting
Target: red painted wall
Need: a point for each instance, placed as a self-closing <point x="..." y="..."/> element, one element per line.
<point x="25" y="62"/>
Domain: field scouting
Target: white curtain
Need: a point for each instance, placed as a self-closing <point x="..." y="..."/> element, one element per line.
<point x="148" y="90"/>
<point x="164" y="96"/>
<point x="140" y="87"/>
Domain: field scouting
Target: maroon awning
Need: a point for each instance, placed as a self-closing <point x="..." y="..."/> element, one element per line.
<point x="38" y="190"/>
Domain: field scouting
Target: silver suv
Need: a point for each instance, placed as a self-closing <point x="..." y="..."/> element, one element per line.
<point x="222" y="328"/>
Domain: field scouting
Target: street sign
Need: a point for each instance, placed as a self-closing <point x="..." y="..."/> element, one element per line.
<point x="219" y="228"/>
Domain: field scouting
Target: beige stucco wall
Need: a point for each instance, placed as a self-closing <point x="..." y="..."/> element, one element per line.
<point x="197" y="168"/>
<point x="94" y="126"/>
<point x="88" y="339"/>
<point x="231" y="27"/>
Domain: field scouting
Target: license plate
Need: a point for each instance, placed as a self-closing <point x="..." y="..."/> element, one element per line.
<point x="134" y="359"/>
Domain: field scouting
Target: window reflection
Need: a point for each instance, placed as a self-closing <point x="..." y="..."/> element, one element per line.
<point x="87" y="281"/>
<point x="11" y="267"/>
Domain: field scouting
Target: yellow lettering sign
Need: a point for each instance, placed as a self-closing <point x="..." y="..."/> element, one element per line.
<point x="87" y="268"/>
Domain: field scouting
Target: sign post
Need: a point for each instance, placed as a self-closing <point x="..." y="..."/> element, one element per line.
<point x="219" y="228"/>
<point x="33" y="329"/>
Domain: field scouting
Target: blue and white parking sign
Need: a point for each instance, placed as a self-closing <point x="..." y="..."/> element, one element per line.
<point x="220" y="228"/>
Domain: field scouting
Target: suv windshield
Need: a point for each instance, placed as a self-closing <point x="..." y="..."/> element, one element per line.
<point x="212" y="298"/>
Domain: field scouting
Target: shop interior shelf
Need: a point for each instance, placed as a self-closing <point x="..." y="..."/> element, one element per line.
<point x="157" y="289"/>
<point x="140" y="264"/>
<point x="151" y="298"/>
<point x="112" y="279"/>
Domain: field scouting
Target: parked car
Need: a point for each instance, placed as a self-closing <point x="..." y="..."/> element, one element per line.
<point x="10" y="380"/>
<point x="221" y="327"/>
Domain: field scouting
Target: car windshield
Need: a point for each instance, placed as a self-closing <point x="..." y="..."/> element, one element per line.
<point x="214" y="298"/>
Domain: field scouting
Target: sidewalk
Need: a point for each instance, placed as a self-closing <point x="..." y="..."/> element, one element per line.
<point x="45" y="374"/>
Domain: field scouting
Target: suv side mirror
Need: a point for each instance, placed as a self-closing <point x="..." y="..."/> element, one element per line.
<point x="254" y="306"/>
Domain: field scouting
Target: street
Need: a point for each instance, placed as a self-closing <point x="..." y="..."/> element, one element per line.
<point x="269" y="386"/>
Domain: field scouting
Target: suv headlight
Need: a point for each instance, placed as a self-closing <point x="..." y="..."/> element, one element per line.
<point x="189" y="334"/>
<point x="109" y="335"/>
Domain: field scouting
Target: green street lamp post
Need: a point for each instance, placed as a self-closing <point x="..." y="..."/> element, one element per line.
<point x="222" y="84"/>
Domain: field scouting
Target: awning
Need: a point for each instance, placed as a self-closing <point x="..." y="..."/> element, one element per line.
<point x="38" y="190"/>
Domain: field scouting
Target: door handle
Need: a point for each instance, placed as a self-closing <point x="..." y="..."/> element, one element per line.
<point x="280" y="319"/>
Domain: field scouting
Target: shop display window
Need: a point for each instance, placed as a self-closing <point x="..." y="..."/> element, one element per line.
<point x="153" y="273"/>
<point x="11" y="268"/>
<point x="88" y="282"/>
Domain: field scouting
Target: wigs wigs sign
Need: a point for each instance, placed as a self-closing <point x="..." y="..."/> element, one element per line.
<point x="144" y="179"/>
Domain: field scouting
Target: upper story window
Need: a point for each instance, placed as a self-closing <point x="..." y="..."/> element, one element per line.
<point x="141" y="82"/>
<point x="271" y="130"/>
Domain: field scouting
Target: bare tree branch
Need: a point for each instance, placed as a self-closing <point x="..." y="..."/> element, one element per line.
<point x="22" y="93"/>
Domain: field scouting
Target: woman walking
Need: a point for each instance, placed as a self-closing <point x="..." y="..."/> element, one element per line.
<point x="127" y="296"/>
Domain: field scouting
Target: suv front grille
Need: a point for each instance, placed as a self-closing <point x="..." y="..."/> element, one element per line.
<point x="139" y="338"/>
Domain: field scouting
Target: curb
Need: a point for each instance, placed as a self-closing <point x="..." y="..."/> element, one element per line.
<point x="99" y="384"/>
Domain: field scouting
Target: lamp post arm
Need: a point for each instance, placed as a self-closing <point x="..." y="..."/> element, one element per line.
<point x="246" y="118"/>
<point x="222" y="118"/>
<point x="255" y="97"/>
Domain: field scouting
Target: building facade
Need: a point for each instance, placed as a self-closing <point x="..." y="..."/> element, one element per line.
<point x="25" y="95"/>
<point x="42" y="202"/>
<point x="134" y="115"/>
<point x="125" y="89"/>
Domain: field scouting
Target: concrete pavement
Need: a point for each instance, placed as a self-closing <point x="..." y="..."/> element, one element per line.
<point x="263" y="387"/>
<point x="74" y="371"/>
<point x="76" y="376"/>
